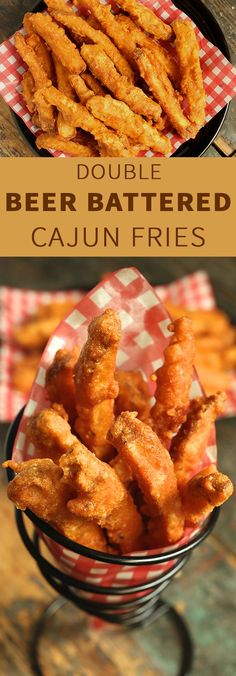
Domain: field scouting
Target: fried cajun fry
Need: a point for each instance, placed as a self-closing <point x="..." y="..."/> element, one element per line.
<point x="191" y="79"/>
<point x="28" y="91"/>
<point x="33" y="335"/>
<point x="28" y="55"/>
<point x="40" y="486"/>
<point x="55" y="37"/>
<point x="135" y="37"/>
<point x="23" y="373"/>
<point x="147" y="19"/>
<point x="133" y="394"/>
<point x="117" y="115"/>
<point x="189" y="444"/>
<point x="82" y="91"/>
<point x="93" y="84"/>
<point x="102" y="497"/>
<point x="78" y="115"/>
<point x="58" y="6"/>
<point x="123" y="470"/>
<point x="56" y="308"/>
<point x="173" y="381"/>
<point x="80" y="27"/>
<point x="60" y="381"/>
<point x="42" y="52"/>
<point x="65" y="130"/>
<point x="95" y="384"/>
<point x="108" y="22"/>
<point x="104" y="70"/>
<point x="153" y="470"/>
<point x="158" y="82"/>
<point x="204" y="321"/>
<point x="206" y="490"/>
<point x="50" y="432"/>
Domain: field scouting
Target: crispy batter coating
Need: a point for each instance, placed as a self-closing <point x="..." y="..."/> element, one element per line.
<point x="58" y="6"/>
<point x="80" y="27"/>
<point x="153" y="470"/>
<point x="77" y="114"/>
<point x="147" y="19"/>
<point x="191" y="80"/>
<point x="40" y="486"/>
<point x="123" y="470"/>
<point x="93" y="84"/>
<point x="136" y="37"/>
<point x="50" y="432"/>
<point x="189" y="444"/>
<point x="42" y="52"/>
<point x="104" y="70"/>
<point x="95" y="384"/>
<point x="60" y="384"/>
<point x="206" y="490"/>
<point x="133" y="394"/>
<point x="55" y="37"/>
<point x="203" y="321"/>
<point x="173" y="381"/>
<point x="118" y="116"/>
<point x="28" y="91"/>
<point x="163" y="91"/>
<point x="24" y="371"/>
<point x="28" y="55"/>
<point x="63" y="83"/>
<point x="72" y="148"/>
<point x="102" y="497"/>
<point x="82" y="90"/>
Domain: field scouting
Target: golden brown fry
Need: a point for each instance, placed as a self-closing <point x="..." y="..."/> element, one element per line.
<point x="191" y="80"/>
<point x="82" y="91"/>
<point x="153" y="470"/>
<point x="206" y="490"/>
<point x="189" y="444"/>
<point x="28" y="55"/>
<point x="108" y="22"/>
<point x="173" y="381"/>
<point x="34" y="334"/>
<point x="60" y="384"/>
<point x="102" y="497"/>
<point x="95" y="384"/>
<point x="136" y="37"/>
<point x="58" y="6"/>
<point x="204" y="321"/>
<point x="104" y="70"/>
<point x="23" y="373"/>
<point x="42" y="52"/>
<point x="45" y="112"/>
<point x="93" y="84"/>
<point x="123" y="470"/>
<point x="133" y="394"/>
<point x="146" y="19"/>
<point x="28" y="91"/>
<point x="57" y="40"/>
<point x="78" y="115"/>
<point x="50" y="432"/>
<point x="118" y="116"/>
<point x="80" y="27"/>
<point x="159" y="84"/>
<point x="40" y="486"/>
<point x="65" y="130"/>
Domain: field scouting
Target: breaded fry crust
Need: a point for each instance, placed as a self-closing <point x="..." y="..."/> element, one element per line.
<point x="206" y="490"/>
<point x="117" y="115"/>
<point x="104" y="70"/>
<point x="95" y="384"/>
<point x="153" y="470"/>
<point x="133" y="394"/>
<point x="28" y="55"/>
<point x="102" y="497"/>
<point x="60" y="384"/>
<point x="191" y="80"/>
<point x="80" y="27"/>
<point x="28" y="91"/>
<point x="93" y="84"/>
<point x="72" y="148"/>
<point x="58" y="41"/>
<point x="146" y="19"/>
<point x="50" y="432"/>
<point x="189" y="444"/>
<point x="173" y="381"/>
<point x="40" y="486"/>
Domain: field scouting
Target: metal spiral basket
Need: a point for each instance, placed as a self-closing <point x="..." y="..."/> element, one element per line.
<point x="144" y="604"/>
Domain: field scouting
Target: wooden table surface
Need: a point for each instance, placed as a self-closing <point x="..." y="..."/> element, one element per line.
<point x="13" y="144"/>
<point x="204" y="592"/>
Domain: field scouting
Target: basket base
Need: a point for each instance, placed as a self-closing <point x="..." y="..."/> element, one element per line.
<point x="69" y="642"/>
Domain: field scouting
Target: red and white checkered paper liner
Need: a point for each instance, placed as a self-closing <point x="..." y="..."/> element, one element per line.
<point x="144" y="337"/>
<point x="218" y="74"/>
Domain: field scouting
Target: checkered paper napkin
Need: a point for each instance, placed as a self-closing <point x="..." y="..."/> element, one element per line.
<point x="219" y="75"/>
<point x="144" y="337"/>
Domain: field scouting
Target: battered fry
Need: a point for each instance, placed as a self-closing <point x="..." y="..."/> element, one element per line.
<point x="55" y="37"/>
<point x="93" y="84"/>
<point x="65" y="130"/>
<point x="44" y="111"/>
<point x="80" y="27"/>
<point x="158" y="82"/>
<point x="191" y="80"/>
<point x="95" y="384"/>
<point x="189" y="445"/>
<point x="146" y="19"/>
<point x="133" y="394"/>
<point x="60" y="384"/>
<point x="40" y="486"/>
<point x="28" y="91"/>
<point x="206" y="490"/>
<point x="118" y="116"/>
<point x="104" y="70"/>
<point x="50" y="432"/>
<point x="102" y="497"/>
<point x="153" y="470"/>
<point x="72" y="148"/>
<point x="173" y="381"/>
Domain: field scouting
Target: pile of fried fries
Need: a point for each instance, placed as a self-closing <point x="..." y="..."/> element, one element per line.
<point x="110" y="84"/>
<point x="111" y="471"/>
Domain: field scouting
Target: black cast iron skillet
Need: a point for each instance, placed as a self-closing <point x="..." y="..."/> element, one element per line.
<point x="208" y="25"/>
